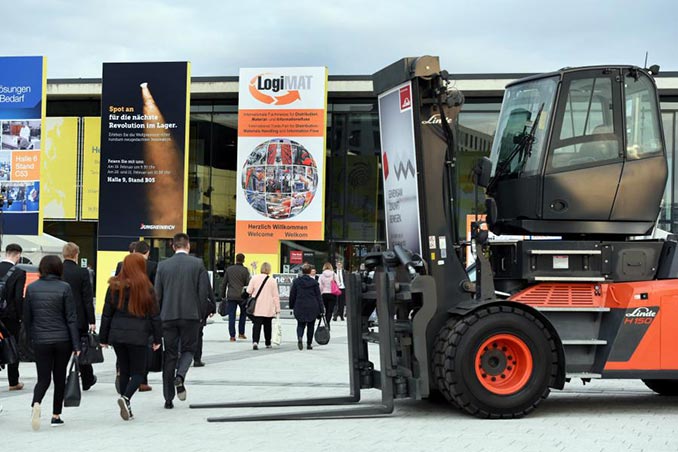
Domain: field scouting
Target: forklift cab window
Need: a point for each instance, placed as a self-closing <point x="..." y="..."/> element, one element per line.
<point x="642" y="120"/>
<point x="587" y="134"/>
<point x="520" y="108"/>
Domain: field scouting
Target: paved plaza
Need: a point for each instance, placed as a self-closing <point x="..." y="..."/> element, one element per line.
<point x="601" y="416"/>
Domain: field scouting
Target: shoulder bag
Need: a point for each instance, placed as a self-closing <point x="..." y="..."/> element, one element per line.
<point x="9" y="351"/>
<point x="91" y="349"/>
<point x="322" y="333"/>
<point x="252" y="301"/>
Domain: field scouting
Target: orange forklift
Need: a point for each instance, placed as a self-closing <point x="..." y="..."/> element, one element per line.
<point x="570" y="285"/>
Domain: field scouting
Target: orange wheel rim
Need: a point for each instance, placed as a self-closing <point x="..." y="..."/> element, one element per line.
<point x="503" y="364"/>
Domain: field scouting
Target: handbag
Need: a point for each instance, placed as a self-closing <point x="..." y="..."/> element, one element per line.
<point x="334" y="288"/>
<point x="277" y="331"/>
<point x="223" y="308"/>
<point x="9" y="350"/>
<point x="91" y="350"/>
<point x="252" y="301"/>
<point x="26" y="353"/>
<point x="155" y="360"/>
<point x="72" y="395"/>
<point x="322" y="333"/>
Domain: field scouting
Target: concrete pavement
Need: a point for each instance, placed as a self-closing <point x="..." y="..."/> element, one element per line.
<point x="601" y="416"/>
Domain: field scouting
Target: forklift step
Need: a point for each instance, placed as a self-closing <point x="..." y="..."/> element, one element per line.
<point x="584" y="342"/>
<point x="583" y="375"/>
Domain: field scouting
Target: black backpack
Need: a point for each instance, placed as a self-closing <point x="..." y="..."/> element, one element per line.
<point x="3" y="289"/>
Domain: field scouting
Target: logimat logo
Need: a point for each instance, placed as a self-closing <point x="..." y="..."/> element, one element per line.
<point x="273" y="89"/>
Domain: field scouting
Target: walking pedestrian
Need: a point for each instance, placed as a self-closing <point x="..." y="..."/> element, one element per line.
<point x="142" y="247"/>
<point x="78" y="278"/>
<point x="307" y="304"/>
<point x="14" y="281"/>
<point x="182" y="289"/>
<point x="341" y="299"/>
<point x="52" y="325"/>
<point x="267" y="305"/>
<point x="325" y="281"/>
<point x="236" y="278"/>
<point x="131" y="315"/>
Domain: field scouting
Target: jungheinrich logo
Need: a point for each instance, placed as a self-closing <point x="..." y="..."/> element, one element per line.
<point x="401" y="169"/>
<point x="272" y="89"/>
<point x="155" y="227"/>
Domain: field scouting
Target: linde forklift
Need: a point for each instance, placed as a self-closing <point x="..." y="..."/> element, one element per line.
<point x="575" y="179"/>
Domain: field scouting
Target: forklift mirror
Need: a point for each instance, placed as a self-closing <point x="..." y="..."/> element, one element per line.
<point x="483" y="172"/>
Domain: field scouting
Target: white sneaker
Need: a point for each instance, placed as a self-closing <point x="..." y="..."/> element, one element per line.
<point x="35" y="417"/>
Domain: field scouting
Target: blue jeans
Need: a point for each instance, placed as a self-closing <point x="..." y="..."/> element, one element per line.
<point x="232" y="307"/>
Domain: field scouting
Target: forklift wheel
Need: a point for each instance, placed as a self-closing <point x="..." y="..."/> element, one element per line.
<point x="498" y="362"/>
<point x="663" y="387"/>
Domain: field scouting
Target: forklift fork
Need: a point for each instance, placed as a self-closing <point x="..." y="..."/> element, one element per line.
<point x="361" y="371"/>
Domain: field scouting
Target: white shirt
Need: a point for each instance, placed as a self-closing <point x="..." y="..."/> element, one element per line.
<point x="181" y="251"/>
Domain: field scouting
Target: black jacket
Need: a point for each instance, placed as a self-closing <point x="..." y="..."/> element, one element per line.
<point x="235" y="278"/>
<point x="15" y="291"/>
<point x="151" y="270"/>
<point x="78" y="278"/>
<point x="120" y="327"/>
<point x="49" y="312"/>
<point x="182" y="288"/>
<point x="305" y="299"/>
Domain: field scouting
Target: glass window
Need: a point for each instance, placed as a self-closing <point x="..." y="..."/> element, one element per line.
<point x="522" y="104"/>
<point x="587" y="134"/>
<point x="642" y="122"/>
<point x="665" y="213"/>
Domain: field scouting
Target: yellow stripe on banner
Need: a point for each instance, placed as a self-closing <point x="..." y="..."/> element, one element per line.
<point x="43" y="115"/>
<point x="59" y="168"/>
<point x="186" y="144"/>
<point x="91" y="156"/>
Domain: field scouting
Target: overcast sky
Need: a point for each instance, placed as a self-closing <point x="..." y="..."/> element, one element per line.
<point x="348" y="36"/>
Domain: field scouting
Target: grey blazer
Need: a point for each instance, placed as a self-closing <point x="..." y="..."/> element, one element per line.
<point x="182" y="288"/>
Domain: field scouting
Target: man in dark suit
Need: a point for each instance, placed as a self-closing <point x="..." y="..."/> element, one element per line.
<point x="11" y="317"/>
<point x="130" y="248"/>
<point x="78" y="278"/>
<point x="182" y="288"/>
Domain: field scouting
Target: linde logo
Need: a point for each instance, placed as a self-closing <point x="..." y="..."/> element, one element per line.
<point x="642" y="312"/>
<point x="401" y="169"/>
<point x="272" y="89"/>
<point x="435" y="119"/>
<point x="156" y="227"/>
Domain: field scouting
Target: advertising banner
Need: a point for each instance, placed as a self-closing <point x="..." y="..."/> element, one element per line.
<point x="144" y="151"/>
<point x="399" y="168"/>
<point x="91" y="153"/>
<point x="22" y="109"/>
<point x="59" y="173"/>
<point x="282" y="122"/>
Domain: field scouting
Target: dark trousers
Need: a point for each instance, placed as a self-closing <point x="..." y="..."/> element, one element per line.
<point x="132" y="362"/>
<point x="232" y="309"/>
<point x="51" y="361"/>
<point x="341" y="305"/>
<point x="178" y="358"/>
<point x="329" y="301"/>
<point x="310" y="329"/>
<point x="13" y="326"/>
<point x="198" y="350"/>
<point x="256" y="329"/>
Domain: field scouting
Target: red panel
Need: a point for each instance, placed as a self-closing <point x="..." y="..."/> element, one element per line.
<point x="561" y="295"/>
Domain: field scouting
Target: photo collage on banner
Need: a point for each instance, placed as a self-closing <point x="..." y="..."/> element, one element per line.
<point x="281" y="158"/>
<point x="22" y="109"/>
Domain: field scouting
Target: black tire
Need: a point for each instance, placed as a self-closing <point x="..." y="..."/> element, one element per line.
<point x="455" y="355"/>
<point x="663" y="387"/>
<point x="438" y="367"/>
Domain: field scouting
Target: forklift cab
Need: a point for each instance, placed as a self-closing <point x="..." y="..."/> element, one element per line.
<point x="578" y="152"/>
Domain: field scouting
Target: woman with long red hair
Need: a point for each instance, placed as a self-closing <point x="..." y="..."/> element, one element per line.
<point x="131" y="315"/>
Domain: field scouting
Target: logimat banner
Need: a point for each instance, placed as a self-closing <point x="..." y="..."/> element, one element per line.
<point x="399" y="168"/>
<point x="144" y="137"/>
<point x="281" y="157"/>
<point x="22" y="110"/>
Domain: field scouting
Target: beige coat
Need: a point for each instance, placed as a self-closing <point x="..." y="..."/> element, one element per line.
<point x="268" y="303"/>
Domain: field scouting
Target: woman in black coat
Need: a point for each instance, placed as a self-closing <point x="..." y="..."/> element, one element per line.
<point x="307" y="304"/>
<point x="52" y="326"/>
<point x="131" y="315"/>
